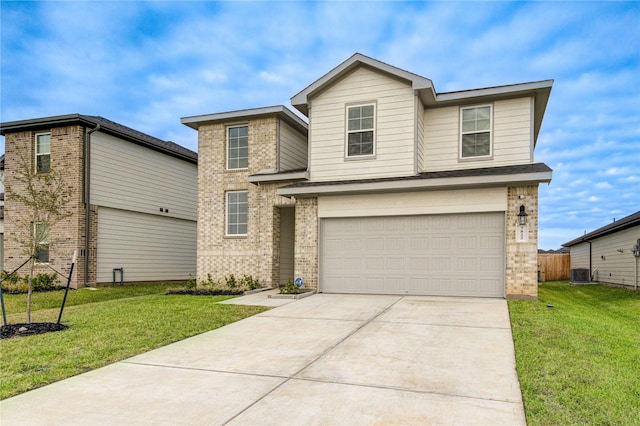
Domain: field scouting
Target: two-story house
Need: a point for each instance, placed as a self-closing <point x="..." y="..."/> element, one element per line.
<point x="398" y="189"/>
<point x="132" y="211"/>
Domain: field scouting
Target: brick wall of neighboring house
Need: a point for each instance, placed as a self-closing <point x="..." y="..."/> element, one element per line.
<point x="67" y="235"/>
<point x="522" y="257"/>
<point x="256" y="254"/>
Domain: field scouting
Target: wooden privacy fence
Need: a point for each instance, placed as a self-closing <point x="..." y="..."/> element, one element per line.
<point x="554" y="266"/>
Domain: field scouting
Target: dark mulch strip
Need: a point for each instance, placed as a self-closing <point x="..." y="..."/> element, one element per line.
<point x="204" y="292"/>
<point x="16" y="330"/>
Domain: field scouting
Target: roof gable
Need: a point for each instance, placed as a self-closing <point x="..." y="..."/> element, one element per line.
<point x="422" y="85"/>
<point x="424" y="88"/>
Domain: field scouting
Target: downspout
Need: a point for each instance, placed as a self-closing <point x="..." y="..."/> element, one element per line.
<point x="87" y="201"/>
<point x="590" y="263"/>
<point x="635" y="264"/>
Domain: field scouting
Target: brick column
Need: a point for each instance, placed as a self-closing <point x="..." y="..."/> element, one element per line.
<point x="306" y="245"/>
<point x="522" y="257"/>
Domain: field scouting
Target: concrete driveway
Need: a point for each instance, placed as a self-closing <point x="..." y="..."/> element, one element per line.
<point x="326" y="359"/>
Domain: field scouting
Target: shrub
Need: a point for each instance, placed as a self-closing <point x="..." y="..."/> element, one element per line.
<point x="40" y="282"/>
<point x="249" y="282"/>
<point x="227" y="286"/>
<point x="289" y="288"/>
<point x="204" y="291"/>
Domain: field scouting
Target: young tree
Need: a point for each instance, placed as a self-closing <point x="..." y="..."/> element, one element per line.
<point x="39" y="196"/>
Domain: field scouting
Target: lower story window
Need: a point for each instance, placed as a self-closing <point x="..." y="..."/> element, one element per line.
<point x="41" y="238"/>
<point x="237" y="207"/>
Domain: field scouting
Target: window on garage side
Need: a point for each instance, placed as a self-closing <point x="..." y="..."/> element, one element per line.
<point x="475" y="135"/>
<point x="237" y="209"/>
<point x="361" y="130"/>
<point x="238" y="147"/>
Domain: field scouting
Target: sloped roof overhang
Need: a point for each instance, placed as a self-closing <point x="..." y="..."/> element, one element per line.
<point x="428" y="181"/>
<point x="106" y="126"/>
<point x="280" y="111"/>
<point x="617" y="226"/>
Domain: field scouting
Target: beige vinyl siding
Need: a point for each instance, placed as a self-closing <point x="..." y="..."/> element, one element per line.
<point x="148" y="247"/>
<point x="616" y="267"/>
<point x="580" y="256"/>
<point x="293" y="148"/>
<point x="394" y="128"/>
<point x="414" y="203"/>
<point x="511" y="139"/>
<point x="130" y="177"/>
<point x="419" y="135"/>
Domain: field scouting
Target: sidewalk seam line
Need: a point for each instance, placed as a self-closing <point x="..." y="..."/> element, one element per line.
<point x="325" y="352"/>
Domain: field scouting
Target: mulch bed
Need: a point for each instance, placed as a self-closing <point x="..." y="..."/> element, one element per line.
<point x="17" y="330"/>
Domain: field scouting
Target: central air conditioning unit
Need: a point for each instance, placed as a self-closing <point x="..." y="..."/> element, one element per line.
<point x="580" y="275"/>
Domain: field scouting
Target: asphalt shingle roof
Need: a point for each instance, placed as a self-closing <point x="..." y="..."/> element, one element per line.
<point x="488" y="171"/>
<point x="106" y="126"/>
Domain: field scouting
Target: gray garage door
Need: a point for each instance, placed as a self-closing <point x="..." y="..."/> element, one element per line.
<point x="445" y="255"/>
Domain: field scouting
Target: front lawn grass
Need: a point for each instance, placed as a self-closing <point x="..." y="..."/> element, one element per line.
<point x="105" y="326"/>
<point x="578" y="354"/>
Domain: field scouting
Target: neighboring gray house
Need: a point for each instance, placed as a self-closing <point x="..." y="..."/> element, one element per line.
<point x="609" y="254"/>
<point x="141" y="192"/>
<point x="394" y="188"/>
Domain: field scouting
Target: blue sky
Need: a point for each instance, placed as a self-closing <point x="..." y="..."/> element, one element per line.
<point x="147" y="64"/>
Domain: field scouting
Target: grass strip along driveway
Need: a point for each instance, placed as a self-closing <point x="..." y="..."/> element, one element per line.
<point x="578" y="355"/>
<point x="105" y="325"/>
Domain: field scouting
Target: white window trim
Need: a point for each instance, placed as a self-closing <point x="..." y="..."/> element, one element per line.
<point x="226" y="213"/>
<point x="229" y="127"/>
<point x="35" y="151"/>
<point x="347" y="132"/>
<point x="461" y="133"/>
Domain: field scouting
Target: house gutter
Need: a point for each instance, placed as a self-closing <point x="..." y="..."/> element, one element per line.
<point x="87" y="201"/>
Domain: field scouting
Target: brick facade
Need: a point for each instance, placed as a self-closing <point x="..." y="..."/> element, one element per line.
<point x="306" y="249"/>
<point x="522" y="257"/>
<point x="68" y="235"/>
<point x="257" y="253"/>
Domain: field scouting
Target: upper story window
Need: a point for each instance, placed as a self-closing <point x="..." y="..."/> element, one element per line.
<point x="361" y="130"/>
<point x="237" y="213"/>
<point x="475" y="136"/>
<point x="43" y="152"/>
<point x="238" y="147"/>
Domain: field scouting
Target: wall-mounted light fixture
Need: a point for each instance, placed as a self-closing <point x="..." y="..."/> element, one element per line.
<point x="522" y="216"/>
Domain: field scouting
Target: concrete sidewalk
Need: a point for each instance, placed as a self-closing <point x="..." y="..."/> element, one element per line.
<point x="325" y="359"/>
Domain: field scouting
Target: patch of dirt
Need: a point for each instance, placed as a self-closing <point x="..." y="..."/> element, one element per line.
<point x="17" y="330"/>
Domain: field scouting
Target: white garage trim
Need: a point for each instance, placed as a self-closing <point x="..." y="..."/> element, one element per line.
<point x="414" y="203"/>
<point x="443" y="255"/>
<point x="148" y="247"/>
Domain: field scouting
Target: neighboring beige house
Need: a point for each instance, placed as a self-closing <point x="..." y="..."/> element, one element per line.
<point x="142" y="194"/>
<point x="609" y="254"/>
<point x="391" y="188"/>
